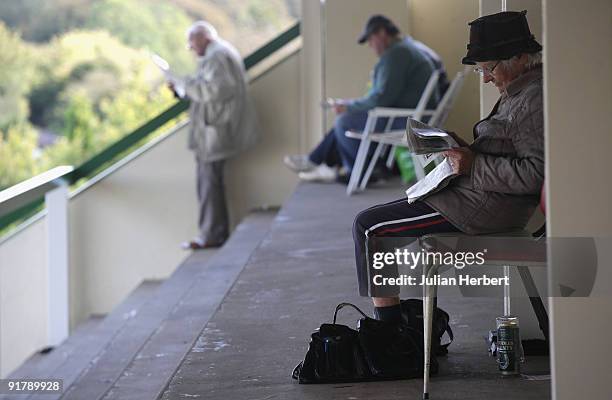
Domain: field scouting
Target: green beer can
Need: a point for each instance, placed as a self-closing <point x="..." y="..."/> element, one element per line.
<point x="509" y="349"/>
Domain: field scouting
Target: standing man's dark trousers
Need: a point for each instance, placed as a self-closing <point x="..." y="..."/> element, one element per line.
<point x="213" y="219"/>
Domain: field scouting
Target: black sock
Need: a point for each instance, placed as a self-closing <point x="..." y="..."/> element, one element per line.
<point x="389" y="313"/>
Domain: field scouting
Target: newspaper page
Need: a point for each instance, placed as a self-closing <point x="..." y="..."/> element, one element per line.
<point x="425" y="139"/>
<point x="177" y="82"/>
<point x="433" y="181"/>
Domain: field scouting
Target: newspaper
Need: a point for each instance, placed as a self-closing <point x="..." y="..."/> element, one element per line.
<point x="433" y="181"/>
<point x="425" y="139"/>
<point x="177" y="82"/>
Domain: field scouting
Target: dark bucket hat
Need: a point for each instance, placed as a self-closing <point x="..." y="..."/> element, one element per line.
<point x="500" y="37"/>
<point x="376" y="22"/>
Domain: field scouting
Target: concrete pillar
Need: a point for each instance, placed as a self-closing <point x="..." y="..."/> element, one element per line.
<point x="56" y="202"/>
<point x="578" y="86"/>
<point x="311" y="72"/>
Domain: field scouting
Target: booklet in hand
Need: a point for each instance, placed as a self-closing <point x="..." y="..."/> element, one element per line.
<point x="179" y="85"/>
<point x="435" y="180"/>
<point x="425" y="139"/>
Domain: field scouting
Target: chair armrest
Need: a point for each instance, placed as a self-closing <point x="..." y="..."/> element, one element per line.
<point x="382" y="112"/>
<point x="353" y="134"/>
<point x="396" y="138"/>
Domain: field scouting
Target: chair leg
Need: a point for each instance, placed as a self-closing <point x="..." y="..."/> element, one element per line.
<point x="391" y="157"/>
<point x="368" y="173"/>
<point x="535" y="299"/>
<point x="360" y="160"/>
<point x="429" y="294"/>
<point x="507" y="310"/>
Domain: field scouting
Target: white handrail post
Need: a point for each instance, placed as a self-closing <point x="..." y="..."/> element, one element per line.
<point x="56" y="202"/>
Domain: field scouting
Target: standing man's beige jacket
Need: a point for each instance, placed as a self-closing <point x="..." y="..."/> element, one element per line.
<point x="222" y="123"/>
<point x="223" y="120"/>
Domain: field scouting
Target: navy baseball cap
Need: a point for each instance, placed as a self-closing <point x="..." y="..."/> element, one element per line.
<point x="374" y="24"/>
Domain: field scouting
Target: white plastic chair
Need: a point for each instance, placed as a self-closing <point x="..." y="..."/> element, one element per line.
<point x="390" y="113"/>
<point x="534" y="255"/>
<point x="398" y="137"/>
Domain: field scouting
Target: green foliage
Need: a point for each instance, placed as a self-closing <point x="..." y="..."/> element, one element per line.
<point x="40" y="20"/>
<point x="17" y="152"/>
<point x="15" y="75"/>
<point x="159" y="27"/>
<point x="263" y="13"/>
<point x="94" y="64"/>
<point x="247" y="24"/>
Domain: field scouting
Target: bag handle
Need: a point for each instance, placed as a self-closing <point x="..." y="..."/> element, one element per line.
<point x="449" y="332"/>
<point x="342" y="305"/>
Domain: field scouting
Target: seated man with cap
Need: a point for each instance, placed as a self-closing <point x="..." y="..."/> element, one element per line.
<point x="500" y="173"/>
<point x="398" y="80"/>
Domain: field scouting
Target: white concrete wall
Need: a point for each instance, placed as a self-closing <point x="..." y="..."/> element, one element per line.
<point x="578" y="87"/>
<point x="348" y="64"/>
<point x="128" y="226"/>
<point x="442" y="25"/>
<point x="23" y="295"/>
<point x="311" y="73"/>
<point x="257" y="177"/>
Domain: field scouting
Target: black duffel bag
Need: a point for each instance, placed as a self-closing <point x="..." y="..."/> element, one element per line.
<point x="412" y="310"/>
<point x="377" y="350"/>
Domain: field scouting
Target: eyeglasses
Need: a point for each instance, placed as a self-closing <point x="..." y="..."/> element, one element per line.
<point x="482" y="70"/>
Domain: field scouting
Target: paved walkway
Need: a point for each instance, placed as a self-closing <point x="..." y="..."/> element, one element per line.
<point x="290" y="285"/>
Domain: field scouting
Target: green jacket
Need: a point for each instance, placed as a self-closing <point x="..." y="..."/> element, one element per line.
<point x="398" y="79"/>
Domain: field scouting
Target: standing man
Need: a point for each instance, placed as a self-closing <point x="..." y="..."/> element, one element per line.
<point x="222" y="123"/>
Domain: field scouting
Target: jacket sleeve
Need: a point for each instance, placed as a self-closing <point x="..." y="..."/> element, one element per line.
<point x="387" y="87"/>
<point x="213" y="82"/>
<point x="522" y="174"/>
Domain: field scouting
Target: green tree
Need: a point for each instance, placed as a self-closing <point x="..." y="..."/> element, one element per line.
<point x="40" y="20"/>
<point x="17" y="155"/>
<point x="157" y="26"/>
<point x="93" y="64"/>
<point x="15" y="75"/>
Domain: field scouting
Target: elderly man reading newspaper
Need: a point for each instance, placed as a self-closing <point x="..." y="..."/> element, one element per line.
<point x="222" y="123"/>
<point x="497" y="178"/>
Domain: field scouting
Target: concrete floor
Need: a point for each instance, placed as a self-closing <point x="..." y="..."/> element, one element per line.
<point x="291" y="284"/>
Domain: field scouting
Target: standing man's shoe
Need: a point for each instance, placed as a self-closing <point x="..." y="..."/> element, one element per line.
<point x="198" y="244"/>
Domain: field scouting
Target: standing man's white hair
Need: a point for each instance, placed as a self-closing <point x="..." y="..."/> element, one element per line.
<point x="203" y="27"/>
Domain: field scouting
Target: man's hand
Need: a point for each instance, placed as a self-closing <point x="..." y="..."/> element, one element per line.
<point x="171" y="87"/>
<point x="339" y="105"/>
<point x="339" y="108"/>
<point x="461" y="160"/>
